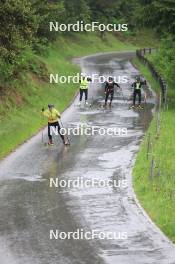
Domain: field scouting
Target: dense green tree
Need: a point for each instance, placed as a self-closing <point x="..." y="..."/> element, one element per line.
<point x="157" y="14"/>
<point x="166" y="13"/>
<point x="47" y="11"/>
<point x="24" y="24"/>
<point x="18" y="26"/>
<point x="164" y="59"/>
<point x="104" y="11"/>
<point x="76" y="10"/>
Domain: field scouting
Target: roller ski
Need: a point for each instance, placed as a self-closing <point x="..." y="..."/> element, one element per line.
<point x="132" y="107"/>
<point x="139" y="107"/>
<point x="107" y="106"/>
<point x="67" y="143"/>
<point x="50" y="143"/>
<point x="85" y="105"/>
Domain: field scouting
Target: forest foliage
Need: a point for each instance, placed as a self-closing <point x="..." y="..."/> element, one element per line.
<point x="25" y="23"/>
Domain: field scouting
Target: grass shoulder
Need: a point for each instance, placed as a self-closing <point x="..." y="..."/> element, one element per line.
<point x="157" y="196"/>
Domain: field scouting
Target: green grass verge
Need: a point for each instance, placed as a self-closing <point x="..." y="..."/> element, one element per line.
<point x="158" y="196"/>
<point x="19" y="121"/>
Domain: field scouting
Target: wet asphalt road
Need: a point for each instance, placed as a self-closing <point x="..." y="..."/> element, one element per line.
<point x="30" y="208"/>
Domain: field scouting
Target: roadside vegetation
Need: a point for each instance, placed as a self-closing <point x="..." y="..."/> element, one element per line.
<point x="157" y="196"/>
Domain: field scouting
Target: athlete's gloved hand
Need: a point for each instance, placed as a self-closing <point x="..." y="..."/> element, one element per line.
<point x="42" y="109"/>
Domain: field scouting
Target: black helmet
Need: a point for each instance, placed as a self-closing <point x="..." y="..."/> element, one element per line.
<point x="50" y="105"/>
<point x="110" y="78"/>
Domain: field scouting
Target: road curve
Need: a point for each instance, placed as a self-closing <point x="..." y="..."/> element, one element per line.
<point x="30" y="208"/>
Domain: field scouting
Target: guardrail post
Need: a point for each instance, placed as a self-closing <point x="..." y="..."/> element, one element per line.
<point x="151" y="172"/>
<point x="165" y="99"/>
<point x="148" y="145"/>
<point x="158" y="117"/>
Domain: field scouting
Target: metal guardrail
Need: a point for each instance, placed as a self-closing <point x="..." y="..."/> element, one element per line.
<point x="156" y="75"/>
<point x="155" y="168"/>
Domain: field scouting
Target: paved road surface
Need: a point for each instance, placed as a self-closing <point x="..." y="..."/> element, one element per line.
<point x="30" y="208"/>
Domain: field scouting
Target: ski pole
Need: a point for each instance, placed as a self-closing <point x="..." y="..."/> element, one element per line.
<point x="122" y="94"/>
<point x="42" y="139"/>
<point x="42" y="136"/>
<point x="145" y="99"/>
<point x="92" y="100"/>
<point x="66" y="134"/>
